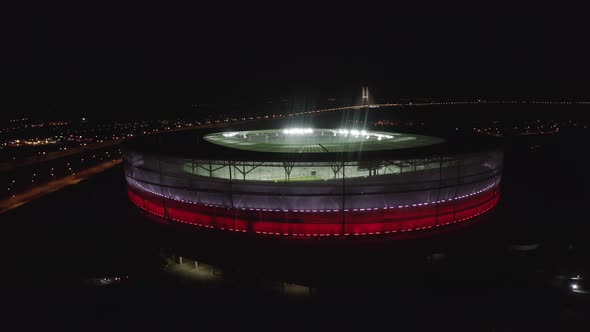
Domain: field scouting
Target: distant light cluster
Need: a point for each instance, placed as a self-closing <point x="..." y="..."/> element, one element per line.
<point x="528" y="127"/>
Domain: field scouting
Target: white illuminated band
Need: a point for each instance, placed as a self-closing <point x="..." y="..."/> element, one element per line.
<point x="320" y="210"/>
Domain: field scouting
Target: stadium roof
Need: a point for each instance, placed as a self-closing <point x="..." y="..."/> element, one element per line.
<point x="213" y="145"/>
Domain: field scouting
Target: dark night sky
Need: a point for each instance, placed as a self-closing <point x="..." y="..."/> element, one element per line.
<point x="145" y="55"/>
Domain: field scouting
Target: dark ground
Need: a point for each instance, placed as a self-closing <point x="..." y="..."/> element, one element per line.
<point x="50" y="247"/>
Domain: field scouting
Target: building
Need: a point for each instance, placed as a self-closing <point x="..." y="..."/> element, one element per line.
<point x="313" y="183"/>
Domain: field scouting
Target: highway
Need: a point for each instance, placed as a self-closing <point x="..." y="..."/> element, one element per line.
<point x="33" y="193"/>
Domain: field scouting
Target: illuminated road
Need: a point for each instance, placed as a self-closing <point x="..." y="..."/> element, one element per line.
<point x="49" y="187"/>
<point x="11" y="165"/>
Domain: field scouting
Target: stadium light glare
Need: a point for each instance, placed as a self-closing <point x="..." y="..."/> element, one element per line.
<point x="298" y="131"/>
<point x="357" y="133"/>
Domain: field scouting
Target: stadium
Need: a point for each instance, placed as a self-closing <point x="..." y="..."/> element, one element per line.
<point x="312" y="182"/>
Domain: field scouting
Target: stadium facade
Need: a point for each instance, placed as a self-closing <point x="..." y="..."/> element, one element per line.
<point x="308" y="182"/>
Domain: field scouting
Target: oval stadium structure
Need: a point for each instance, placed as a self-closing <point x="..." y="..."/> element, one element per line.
<point x="310" y="182"/>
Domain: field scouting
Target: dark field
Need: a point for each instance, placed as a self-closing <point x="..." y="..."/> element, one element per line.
<point x="477" y="278"/>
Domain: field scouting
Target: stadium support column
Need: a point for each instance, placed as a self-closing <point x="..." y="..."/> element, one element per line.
<point x="335" y="169"/>
<point x="231" y="195"/>
<point x="456" y="189"/>
<point x="162" y="189"/>
<point x="438" y="189"/>
<point x="288" y="166"/>
<point x="343" y="198"/>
